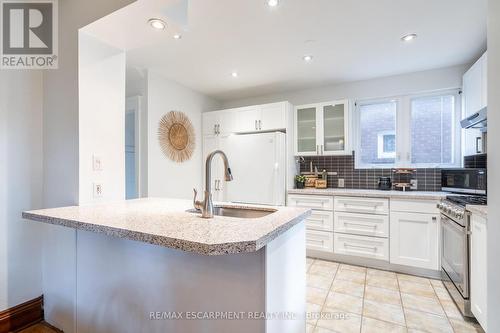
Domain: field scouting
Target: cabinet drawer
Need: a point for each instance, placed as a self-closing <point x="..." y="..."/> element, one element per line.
<point x="361" y="205"/>
<point x="361" y="246"/>
<point x="311" y="201"/>
<point x="320" y="220"/>
<point x="361" y="224"/>
<point x="319" y="240"/>
<point x="415" y="206"/>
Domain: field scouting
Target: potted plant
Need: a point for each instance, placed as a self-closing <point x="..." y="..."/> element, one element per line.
<point x="300" y="181"/>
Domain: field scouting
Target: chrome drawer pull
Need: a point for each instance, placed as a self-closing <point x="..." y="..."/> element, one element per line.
<point x="374" y="248"/>
<point x="362" y="225"/>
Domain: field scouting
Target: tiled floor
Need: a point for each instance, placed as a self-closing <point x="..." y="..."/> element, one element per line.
<point x="343" y="298"/>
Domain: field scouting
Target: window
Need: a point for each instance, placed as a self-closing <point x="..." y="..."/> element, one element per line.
<point x="408" y="131"/>
<point x="432" y="133"/>
<point x="386" y="145"/>
<point x="377" y="128"/>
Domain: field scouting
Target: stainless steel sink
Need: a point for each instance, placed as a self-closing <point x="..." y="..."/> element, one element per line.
<point x="243" y="213"/>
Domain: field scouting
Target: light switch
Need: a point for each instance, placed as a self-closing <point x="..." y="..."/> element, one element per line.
<point x="98" y="190"/>
<point x="96" y="163"/>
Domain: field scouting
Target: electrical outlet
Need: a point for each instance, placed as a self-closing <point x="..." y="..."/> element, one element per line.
<point x="96" y="163"/>
<point x="97" y="190"/>
<point x="413" y="184"/>
<point x="341" y="182"/>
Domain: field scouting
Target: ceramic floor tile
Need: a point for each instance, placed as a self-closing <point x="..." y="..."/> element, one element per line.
<point x="309" y="261"/>
<point x="309" y="328"/>
<point x="313" y="313"/>
<point x="352" y="268"/>
<point x="436" y="283"/>
<point x="381" y="295"/>
<point x="340" y="321"/>
<point x="378" y="272"/>
<point x="318" y="281"/>
<point x="411" y="278"/>
<point x="451" y="309"/>
<point x="326" y="263"/>
<point x="349" y="275"/>
<point x="442" y="293"/>
<point x="419" y="289"/>
<point x="348" y="287"/>
<point x="462" y="326"/>
<point x="382" y="282"/>
<point x="427" y="322"/>
<point x="316" y="295"/>
<point x="344" y="302"/>
<point x="326" y="271"/>
<point x="370" y="325"/>
<point x="386" y="312"/>
<point x="318" y="329"/>
<point x="424" y="304"/>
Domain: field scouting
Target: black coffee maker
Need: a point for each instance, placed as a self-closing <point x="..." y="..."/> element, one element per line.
<point x="384" y="183"/>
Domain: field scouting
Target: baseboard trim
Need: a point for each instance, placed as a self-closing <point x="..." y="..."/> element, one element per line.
<point x="22" y="315"/>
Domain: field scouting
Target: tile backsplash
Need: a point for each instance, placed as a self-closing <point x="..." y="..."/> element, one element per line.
<point x="427" y="179"/>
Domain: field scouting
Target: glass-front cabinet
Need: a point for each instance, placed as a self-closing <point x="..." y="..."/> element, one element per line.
<point x="322" y="129"/>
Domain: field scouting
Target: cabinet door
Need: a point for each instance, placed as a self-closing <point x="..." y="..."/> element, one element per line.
<point x="210" y="121"/>
<point x="306" y="131"/>
<point x="484" y="80"/>
<point x="273" y="116"/>
<point x="334" y="127"/>
<point x="246" y="119"/>
<point x="225" y="122"/>
<point x="478" y="269"/>
<point x="414" y="240"/>
<point x="472" y="103"/>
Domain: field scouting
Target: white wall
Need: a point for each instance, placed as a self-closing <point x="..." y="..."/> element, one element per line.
<point x="21" y="185"/>
<point x="444" y="78"/>
<point x="60" y="149"/>
<point x="167" y="178"/>
<point x="101" y="119"/>
<point x="493" y="163"/>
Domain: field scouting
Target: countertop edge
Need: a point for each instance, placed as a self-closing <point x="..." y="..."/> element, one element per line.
<point x="168" y="242"/>
<point x="418" y="195"/>
<point x="478" y="210"/>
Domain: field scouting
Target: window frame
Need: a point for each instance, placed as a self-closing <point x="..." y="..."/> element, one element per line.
<point x="403" y="131"/>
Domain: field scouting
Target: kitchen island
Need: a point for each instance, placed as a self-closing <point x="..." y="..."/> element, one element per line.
<point x="151" y="265"/>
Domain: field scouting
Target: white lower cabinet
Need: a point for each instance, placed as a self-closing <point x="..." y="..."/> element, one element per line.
<point x="320" y="220"/>
<point x="319" y="240"/>
<point x="362" y="224"/>
<point x="478" y="269"/>
<point x="414" y="239"/>
<point x="361" y="246"/>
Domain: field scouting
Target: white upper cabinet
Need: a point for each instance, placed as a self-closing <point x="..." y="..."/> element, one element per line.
<point x="247" y="119"/>
<point x="322" y="128"/>
<point x="474" y="98"/>
<point x="217" y="122"/>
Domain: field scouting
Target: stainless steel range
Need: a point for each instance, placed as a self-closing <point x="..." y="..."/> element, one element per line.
<point x="455" y="230"/>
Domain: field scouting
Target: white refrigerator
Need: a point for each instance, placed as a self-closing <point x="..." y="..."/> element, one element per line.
<point x="258" y="164"/>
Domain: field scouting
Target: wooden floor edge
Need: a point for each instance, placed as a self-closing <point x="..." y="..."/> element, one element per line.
<point x="22" y="315"/>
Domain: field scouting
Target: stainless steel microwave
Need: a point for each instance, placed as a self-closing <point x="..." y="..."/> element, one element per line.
<point x="470" y="181"/>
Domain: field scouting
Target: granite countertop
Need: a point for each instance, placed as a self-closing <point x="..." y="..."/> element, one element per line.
<point x="372" y="193"/>
<point x="481" y="210"/>
<point x="165" y="222"/>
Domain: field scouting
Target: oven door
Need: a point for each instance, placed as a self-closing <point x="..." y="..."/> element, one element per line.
<point x="455" y="254"/>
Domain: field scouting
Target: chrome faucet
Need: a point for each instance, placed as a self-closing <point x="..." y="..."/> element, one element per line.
<point x="206" y="206"/>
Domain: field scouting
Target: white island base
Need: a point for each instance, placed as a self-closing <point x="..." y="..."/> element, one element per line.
<point x="130" y="286"/>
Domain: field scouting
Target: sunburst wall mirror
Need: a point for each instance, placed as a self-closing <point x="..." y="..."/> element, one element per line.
<point x="176" y="136"/>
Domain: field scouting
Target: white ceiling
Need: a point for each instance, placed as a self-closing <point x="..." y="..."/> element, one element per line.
<point x="350" y="40"/>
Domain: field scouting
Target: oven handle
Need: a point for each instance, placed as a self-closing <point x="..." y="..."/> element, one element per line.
<point x="449" y="221"/>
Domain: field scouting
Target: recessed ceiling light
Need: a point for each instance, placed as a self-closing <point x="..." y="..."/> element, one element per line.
<point x="157" y="23"/>
<point x="177" y="36"/>
<point x="273" y="3"/>
<point x="409" y="37"/>
<point x="307" y="58"/>
<point x="234" y="74"/>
